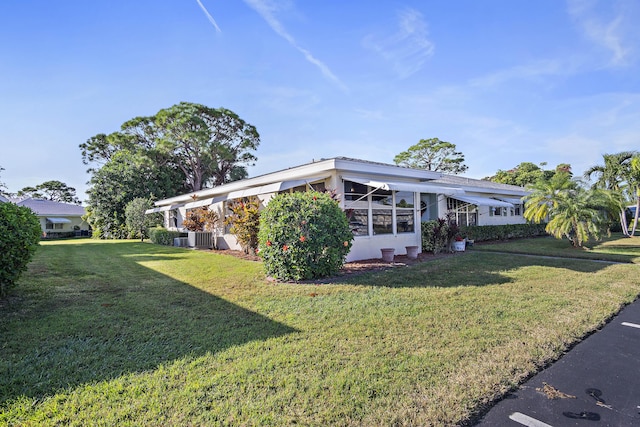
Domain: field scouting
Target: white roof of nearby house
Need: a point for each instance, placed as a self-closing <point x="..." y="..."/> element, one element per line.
<point x="49" y="208"/>
<point x="374" y="174"/>
<point x="3" y="199"/>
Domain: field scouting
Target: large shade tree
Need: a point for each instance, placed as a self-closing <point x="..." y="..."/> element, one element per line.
<point x="123" y="178"/>
<point x="210" y="146"/>
<point x="433" y="155"/>
<point x="180" y="149"/>
<point x="56" y="191"/>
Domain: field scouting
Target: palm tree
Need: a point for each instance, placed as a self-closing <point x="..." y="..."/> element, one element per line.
<point x="633" y="180"/>
<point x="546" y="196"/>
<point x="573" y="211"/>
<point x="612" y="176"/>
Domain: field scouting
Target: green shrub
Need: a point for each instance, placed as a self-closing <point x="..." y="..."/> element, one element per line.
<point x="162" y="236"/>
<point x="482" y="233"/>
<point x="303" y="236"/>
<point x="435" y="235"/>
<point x="19" y="237"/>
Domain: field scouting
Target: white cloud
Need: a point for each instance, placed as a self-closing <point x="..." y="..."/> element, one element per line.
<point x="409" y="48"/>
<point x="267" y="10"/>
<point x="533" y="71"/>
<point x="613" y="34"/>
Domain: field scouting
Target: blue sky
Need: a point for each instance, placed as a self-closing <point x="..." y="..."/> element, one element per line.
<point x="506" y="81"/>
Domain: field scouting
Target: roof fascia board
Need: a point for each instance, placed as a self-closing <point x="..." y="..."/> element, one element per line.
<point x="298" y="172"/>
<point x="354" y="166"/>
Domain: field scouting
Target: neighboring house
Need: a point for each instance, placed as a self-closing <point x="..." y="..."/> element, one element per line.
<point x="57" y="218"/>
<point x="385" y="203"/>
<point x="3" y="199"/>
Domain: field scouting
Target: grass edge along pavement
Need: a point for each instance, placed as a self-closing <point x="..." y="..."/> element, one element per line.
<point x="137" y="334"/>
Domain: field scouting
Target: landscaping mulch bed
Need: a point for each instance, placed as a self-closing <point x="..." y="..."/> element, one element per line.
<point x="353" y="268"/>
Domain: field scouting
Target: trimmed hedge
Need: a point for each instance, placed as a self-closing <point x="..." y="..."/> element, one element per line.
<point x="483" y="233"/>
<point x="19" y="238"/>
<point x="162" y="236"/>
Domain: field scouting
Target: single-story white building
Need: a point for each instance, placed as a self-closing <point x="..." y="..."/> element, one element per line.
<point x="385" y="203"/>
<point x="57" y="218"/>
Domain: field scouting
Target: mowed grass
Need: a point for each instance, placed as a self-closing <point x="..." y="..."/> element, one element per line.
<point x="125" y="333"/>
<point x="616" y="248"/>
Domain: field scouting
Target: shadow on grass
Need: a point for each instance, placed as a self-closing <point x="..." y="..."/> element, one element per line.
<point x="59" y="332"/>
<point x="470" y="269"/>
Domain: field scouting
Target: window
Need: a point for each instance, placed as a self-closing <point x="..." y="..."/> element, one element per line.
<point x="497" y="211"/>
<point x="318" y="186"/>
<point x="385" y="211"/>
<point x="465" y="213"/>
<point x="517" y="210"/>
<point x="382" y="211"/>
<point x="356" y="198"/>
<point x="405" y="212"/>
<point x="173" y="218"/>
<point x="54" y="226"/>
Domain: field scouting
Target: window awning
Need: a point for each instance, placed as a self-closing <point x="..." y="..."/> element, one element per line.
<point x="273" y="188"/>
<point x="483" y="201"/>
<point x="416" y="187"/>
<point x="58" y="220"/>
<point x="513" y="201"/>
<point x="204" y="202"/>
<point x="163" y="208"/>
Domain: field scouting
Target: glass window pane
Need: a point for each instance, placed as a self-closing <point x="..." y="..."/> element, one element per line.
<point x="382" y="221"/>
<point x="358" y="221"/>
<point x="404" y="221"/>
<point x="404" y="199"/>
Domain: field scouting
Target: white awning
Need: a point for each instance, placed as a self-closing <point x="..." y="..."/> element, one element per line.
<point x="163" y="208"/>
<point x="204" y="202"/>
<point x="483" y="201"/>
<point x="511" y="200"/>
<point x="273" y="188"/>
<point x="416" y="187"/>
<point x="58" y="220"/>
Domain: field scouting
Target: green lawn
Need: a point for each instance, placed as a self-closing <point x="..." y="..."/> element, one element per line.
<point x="126" y="333"/>
<point x="616" y="248"/>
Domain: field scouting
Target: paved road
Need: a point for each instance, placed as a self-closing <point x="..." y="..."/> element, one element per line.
<point x="597" y="383"/>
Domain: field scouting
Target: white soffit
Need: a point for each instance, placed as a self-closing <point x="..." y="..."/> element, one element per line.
<point x="416" y="187"/>
<point x="483" y="201"/>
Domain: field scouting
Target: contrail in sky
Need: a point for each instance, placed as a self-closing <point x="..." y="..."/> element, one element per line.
<point x="267" y="11"/>
<point x="206" y="12"/>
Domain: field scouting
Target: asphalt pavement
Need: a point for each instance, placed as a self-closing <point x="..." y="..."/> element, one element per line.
<point x="597" y="383"/>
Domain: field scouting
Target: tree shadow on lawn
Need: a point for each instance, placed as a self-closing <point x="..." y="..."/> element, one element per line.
<point x="470" y="269"/>
<point x="89" y="332"/>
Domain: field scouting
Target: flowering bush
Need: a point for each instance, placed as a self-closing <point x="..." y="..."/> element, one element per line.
<point x="303" y="236"/>
<point x="244" y="222"/>
<point x="200" y="219"/>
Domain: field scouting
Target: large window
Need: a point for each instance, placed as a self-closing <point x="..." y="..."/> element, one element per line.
<point x="378" y="212"/>
<point x="405" y="212"/>
<point x="465" y="213"/>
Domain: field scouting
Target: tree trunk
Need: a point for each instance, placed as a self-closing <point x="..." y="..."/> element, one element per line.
<point x="623" y="223"/>
<point x="635" y="218"/>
